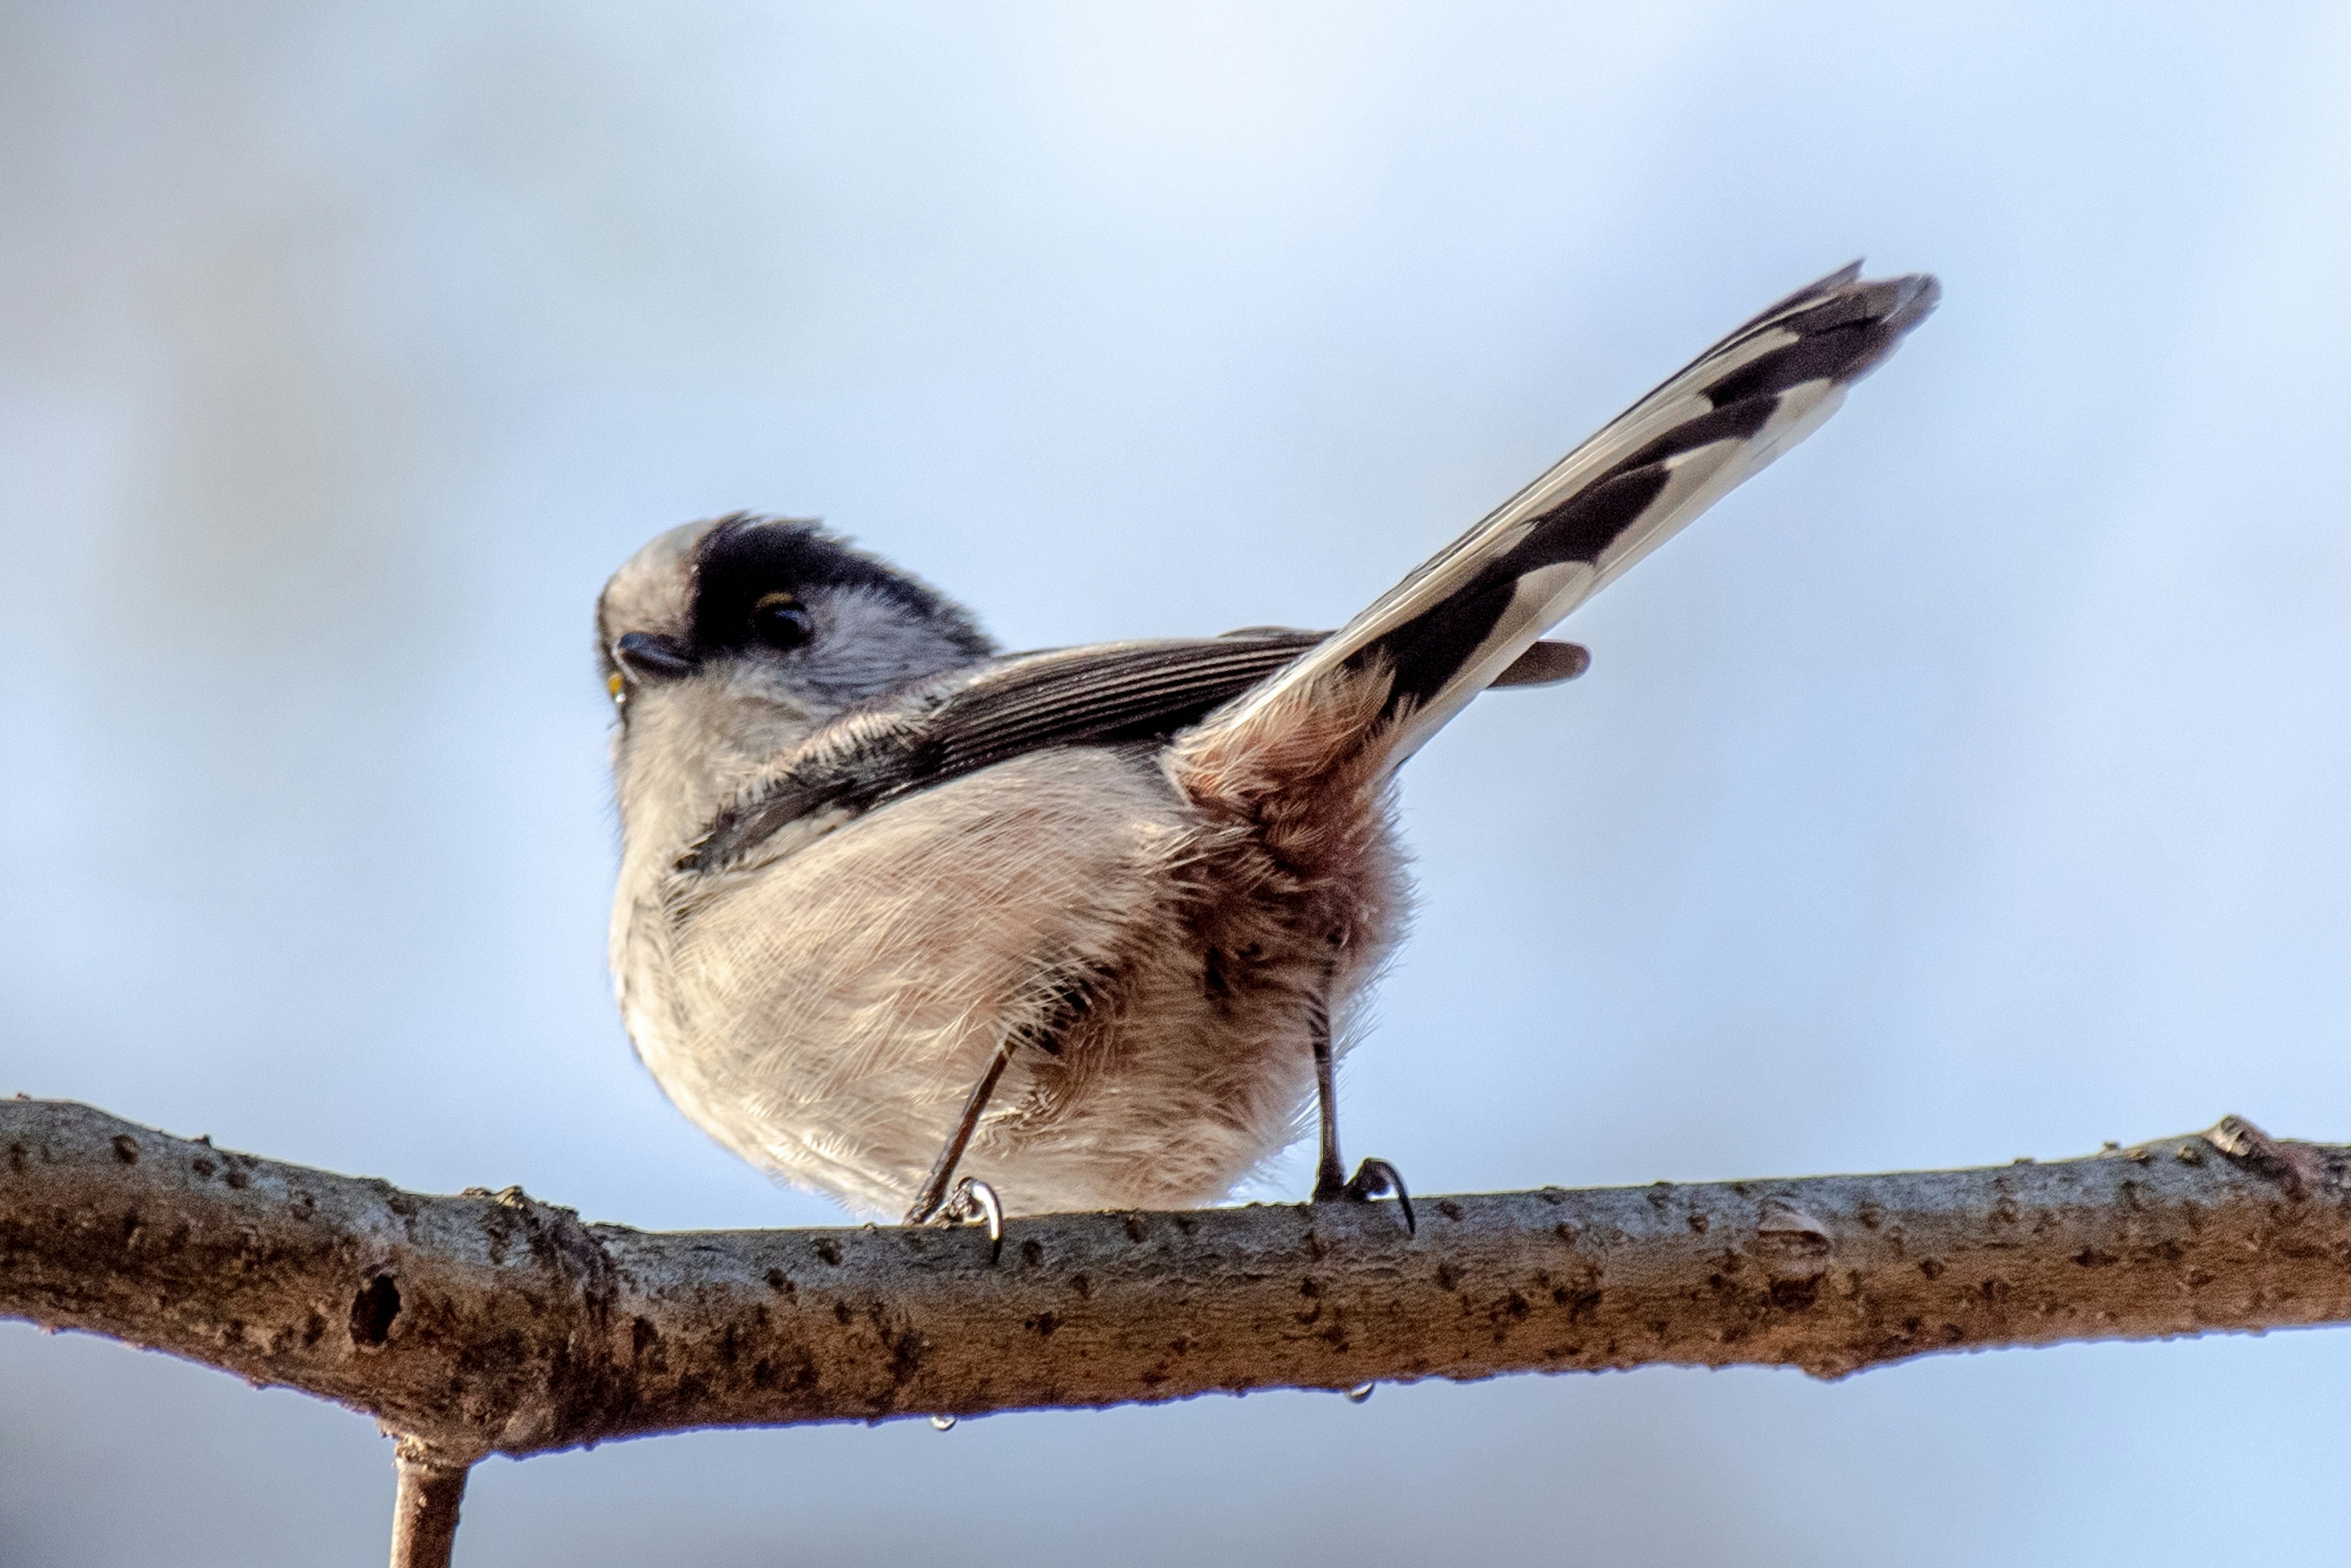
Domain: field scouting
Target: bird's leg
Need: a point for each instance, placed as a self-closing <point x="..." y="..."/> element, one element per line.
<point x="1373" y="1177"/>
<point x="933" y="1193"/>
<point x="1330" y="1170"/>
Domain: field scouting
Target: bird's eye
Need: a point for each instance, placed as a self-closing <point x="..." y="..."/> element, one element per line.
<point x="779" y="620"/>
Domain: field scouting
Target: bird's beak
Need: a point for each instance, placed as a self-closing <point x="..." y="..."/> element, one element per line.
<point x="644" y="656"/>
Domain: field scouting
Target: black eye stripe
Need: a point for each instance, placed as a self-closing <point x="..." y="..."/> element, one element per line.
<point x="743" y="559"/>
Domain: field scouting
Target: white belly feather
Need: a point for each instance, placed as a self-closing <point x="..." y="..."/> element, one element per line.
<point x="842" y="1001"/>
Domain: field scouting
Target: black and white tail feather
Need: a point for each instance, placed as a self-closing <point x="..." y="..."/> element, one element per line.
<point x="1469" y="612"/>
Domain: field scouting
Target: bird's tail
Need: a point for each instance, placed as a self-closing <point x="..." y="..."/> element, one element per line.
<point x="1445" y="633"/>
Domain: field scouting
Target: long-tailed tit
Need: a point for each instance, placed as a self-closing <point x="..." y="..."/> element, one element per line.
<point x="1087" y="924"/>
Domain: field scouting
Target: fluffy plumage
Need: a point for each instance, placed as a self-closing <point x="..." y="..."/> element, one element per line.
<point x="863" y="854"/>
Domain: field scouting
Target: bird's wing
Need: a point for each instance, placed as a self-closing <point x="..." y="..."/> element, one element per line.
<point x="1102" y="694"/>
<point x="1105" y="694"/>
<point x="1473" y="610"/>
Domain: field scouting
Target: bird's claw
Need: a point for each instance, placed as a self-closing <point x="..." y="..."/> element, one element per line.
<point x="974" y="1199"/>
<point x="1375" y="1178"/>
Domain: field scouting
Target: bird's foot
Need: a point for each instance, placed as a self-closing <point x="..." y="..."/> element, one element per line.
<point x="1373" y="1178"/>
<point x="970" y="1199"/>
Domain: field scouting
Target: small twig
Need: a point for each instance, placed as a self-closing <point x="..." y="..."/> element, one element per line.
<point x="424" y="1509"/>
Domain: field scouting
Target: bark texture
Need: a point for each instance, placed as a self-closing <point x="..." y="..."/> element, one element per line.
<point x="493" y="1323"/>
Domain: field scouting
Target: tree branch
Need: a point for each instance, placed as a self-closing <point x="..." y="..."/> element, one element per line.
<point x="488" y="1323"/>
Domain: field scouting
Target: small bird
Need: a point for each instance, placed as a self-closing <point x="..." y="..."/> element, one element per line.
<point x="1086" y="926"/>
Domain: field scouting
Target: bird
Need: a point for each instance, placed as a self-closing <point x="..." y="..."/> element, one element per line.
<point x="945" y="932"/>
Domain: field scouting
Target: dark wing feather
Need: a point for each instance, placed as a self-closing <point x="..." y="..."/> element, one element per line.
<point x="1099" y="695"/>
<point x="1106" y="695"/>
<point x="1113" y="693"/>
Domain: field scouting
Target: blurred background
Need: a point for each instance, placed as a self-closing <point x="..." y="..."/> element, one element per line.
<point x="1971" y="785"/>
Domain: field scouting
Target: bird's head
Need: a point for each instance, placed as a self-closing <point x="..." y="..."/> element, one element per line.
<point x="721" y="643"/>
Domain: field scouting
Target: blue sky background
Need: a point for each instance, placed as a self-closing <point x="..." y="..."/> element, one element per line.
<point x="1969" y="786"/>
